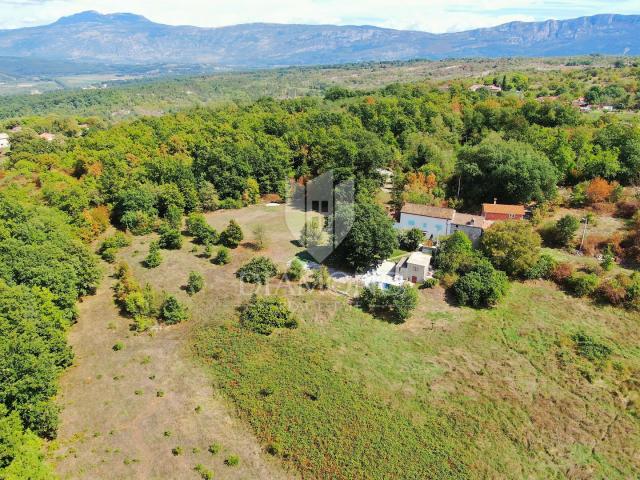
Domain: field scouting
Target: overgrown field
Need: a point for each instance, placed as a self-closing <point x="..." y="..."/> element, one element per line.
<point x="512" y="392"/>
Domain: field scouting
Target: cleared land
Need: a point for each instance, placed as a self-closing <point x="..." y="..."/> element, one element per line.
<point x="452" y="393"/>
<point x="113" y="422"/>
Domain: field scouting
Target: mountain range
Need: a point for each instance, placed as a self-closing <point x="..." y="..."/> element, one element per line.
<point x="125" y="38"/>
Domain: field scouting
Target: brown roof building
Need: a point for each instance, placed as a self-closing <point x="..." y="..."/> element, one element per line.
<point x="497" y="211"/>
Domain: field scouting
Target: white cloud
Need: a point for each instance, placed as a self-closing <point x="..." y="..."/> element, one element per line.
<point x="428" y="15"/>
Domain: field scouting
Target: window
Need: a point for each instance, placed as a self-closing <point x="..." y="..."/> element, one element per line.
<point x="315" y="205"/>
<point x="324" y="206"/>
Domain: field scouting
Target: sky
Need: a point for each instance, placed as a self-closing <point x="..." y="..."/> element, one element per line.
<point x="436" y="16"/>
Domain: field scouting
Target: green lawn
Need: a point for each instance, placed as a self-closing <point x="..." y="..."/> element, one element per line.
<point x="453" y="393"/>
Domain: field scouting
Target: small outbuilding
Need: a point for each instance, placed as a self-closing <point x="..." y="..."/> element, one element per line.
<point x="415" y="267"/>
<point x="497" y="211"/>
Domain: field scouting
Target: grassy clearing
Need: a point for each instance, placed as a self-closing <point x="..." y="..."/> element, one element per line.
<point x="453" y="393"/>
<point x="326" y="426"/>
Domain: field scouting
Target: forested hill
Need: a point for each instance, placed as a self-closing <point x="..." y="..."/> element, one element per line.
<point x="127" y="38"/>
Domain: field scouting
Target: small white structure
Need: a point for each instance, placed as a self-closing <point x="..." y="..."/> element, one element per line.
<point x="4" y="141"/>
<point x="47" y="136"/>
<point x="415" y="267"/>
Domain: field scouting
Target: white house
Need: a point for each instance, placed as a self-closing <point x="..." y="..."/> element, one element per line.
<point x="4" y="141"/>
<point x="435" y="222"/>
<point x="415" y="267"/>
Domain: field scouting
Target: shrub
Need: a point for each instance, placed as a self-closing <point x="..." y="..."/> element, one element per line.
<point x="455" y="253"/>
<point x="259" y="237"/>
<point x="295" y="271"/>
<point x="264" y="314"/>
<point x="588" y="348"/>
<point x="257" y="270"/>
<point x="430" y="283"/>
<point x="214" y="448"/>
<point x="232" y="460"/>
<point x="208" y="196"/>
<point x="394" y="303"/>
<point x="176" y="451"/>
<point x="599" y="190"/>
<point x="117" y="347"/>
<point x="222" y="257"/>
<point x="562" y="272"/>
<point x="543" y="268"/>
<point x="633" y="292"/>
<point x="172" y="311"/>
<point x="195" y="283"/>
<point x="110" y="246"/>
<point x="231" y="204"/>
<point x="411" y="239"/>
<point x="565" y="230"/>
<point x="173" y="216"/>
<point x="142" y="323"/>
<point x="205" y="474"/>
<point x="208" y="250"/>
<point x="170" y="238"/>
<point x="109" y="255"/>
<point x="608" y="259"/>
<point x="614" y="290"/>
<point x="232" y="235"/>
<point x="483" y="286"/>
<point x="582" y="284"/>
<point x="138" y="222"/>
<point x="154" y="258"/>
<point x="512" y="246"/>
<point x="321" y="279"/>
<point x="627" y="208"/>
<point x="200" y="230"/>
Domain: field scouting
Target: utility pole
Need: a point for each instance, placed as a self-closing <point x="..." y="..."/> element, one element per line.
<point x="584" y="232"/>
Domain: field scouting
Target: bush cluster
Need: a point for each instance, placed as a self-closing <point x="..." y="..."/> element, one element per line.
<point x="264" y="314"/>
<point x="394" y="303"/>
<point x="257" y="270"/>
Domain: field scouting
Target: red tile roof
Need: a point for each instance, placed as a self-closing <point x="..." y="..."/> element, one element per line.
<point x="505" y="209"/>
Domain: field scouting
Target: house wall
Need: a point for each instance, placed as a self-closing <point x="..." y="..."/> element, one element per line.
<point x="432" y="227"/>
<point x="501" y="216"/>
<point x="474" y="233"/>
<point x="409" y="271"/>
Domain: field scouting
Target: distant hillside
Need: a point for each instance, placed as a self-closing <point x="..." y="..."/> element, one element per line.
<point x="132" y="39"/>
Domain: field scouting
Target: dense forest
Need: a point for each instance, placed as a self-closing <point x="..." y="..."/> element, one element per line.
<point x="447" y="146"/>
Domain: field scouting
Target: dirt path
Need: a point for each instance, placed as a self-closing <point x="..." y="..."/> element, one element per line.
<point x="116" y="425"/>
